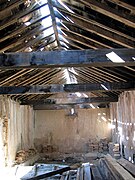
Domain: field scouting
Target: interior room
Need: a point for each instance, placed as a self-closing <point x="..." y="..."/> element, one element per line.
<point x="67" y="89"/>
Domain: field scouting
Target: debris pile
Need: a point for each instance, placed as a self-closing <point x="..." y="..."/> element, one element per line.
<point x="22" y="155"/>
<point x="101" y="145"/>
<point x="114" y="150"/>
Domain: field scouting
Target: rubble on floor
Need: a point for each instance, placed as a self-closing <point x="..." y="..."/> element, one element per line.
<point x="114" y="150"/>
<point x="98" y="145"/>
<point x="89" y="166"/>
<point x="22" y="155"/>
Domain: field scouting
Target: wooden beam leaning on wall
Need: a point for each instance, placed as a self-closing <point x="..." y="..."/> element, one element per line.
<point x="63" y="88"/>
<point x="71" y="58"/>
<point x="71" y="101"/>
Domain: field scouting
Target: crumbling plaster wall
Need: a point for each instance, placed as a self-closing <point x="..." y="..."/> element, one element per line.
<point x="123" y="121"/>
<point x="70" y="134"/>
<point x="16" y="129"/>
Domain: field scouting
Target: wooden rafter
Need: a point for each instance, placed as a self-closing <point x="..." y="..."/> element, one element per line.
<point x="11" y="5"/>
<point x="82" y="14"/>
<point x="113" y="13"/>
<point x="16" y="18"/>
<point x="124" y="5"/>
<point x="97" y="29"/>
<point x="54" y="23"/>
<point x="85" y="38"/>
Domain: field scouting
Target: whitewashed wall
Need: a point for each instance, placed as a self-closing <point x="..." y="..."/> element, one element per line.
<point x="16" y="129"/>
<point x="123" y="118"/>
<point x="67" y="134"/>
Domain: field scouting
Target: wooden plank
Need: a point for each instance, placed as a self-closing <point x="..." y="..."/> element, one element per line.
<point x="69" y="58"/>
<point x="49" y="174"/>
<point x="52" y="173"/>
<point x="81" y="173"/>
<point x="127" y="165"/>
<point x="57" y="88"/>
<point x="78" y="174"/>
<point x="95" y="173"/>
<point x="118" y="170"/>
<point x="71" y="101"/>
<point x="87" y="172"/>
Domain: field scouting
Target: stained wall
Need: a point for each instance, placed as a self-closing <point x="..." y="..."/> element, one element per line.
<point x="70" y="133"/>
<point x="123" y="121"/>
<point x="16" y="129"/>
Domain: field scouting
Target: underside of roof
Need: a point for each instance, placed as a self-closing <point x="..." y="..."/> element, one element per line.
<point x="64" y="25"/>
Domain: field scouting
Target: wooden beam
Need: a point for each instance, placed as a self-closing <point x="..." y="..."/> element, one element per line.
<point x="124" y="5"/>
<point x="117" y="169"/>
<point x="96" y="28"/>
<point x="127" y="165"/>
<point x="70" y="101"/>
<point x="54" y="23"/>
<point x="81" y="37"/>
<point x="11" y="5"/>
<point x="47" y="174"/>
<point x="61" y="88"/>
<point x="106" y="10"/>
<point x="17" y="17"/>
<point x="85" y="16"/>
<point x="65" y="106"/>
<point x="23" y="40"/>
<point x="72" y="58"/>
<point x="74" y="38"/>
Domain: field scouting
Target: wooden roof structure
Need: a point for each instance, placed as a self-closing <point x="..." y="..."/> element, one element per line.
<point x="84" y="46"/>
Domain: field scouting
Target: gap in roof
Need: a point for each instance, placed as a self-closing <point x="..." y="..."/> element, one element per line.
<point x="104" y="87"/>
<point x="45" y="11"/>
<point x="69" y="79"/>
<point x="114" y="57"/>
<point x="67" y="8"/>
<point x="47" y="21"/>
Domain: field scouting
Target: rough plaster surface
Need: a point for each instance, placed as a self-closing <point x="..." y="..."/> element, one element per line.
<point x="16" y="129"/>
<point x="123" y="117"/>
<point x="65" y="134"/>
